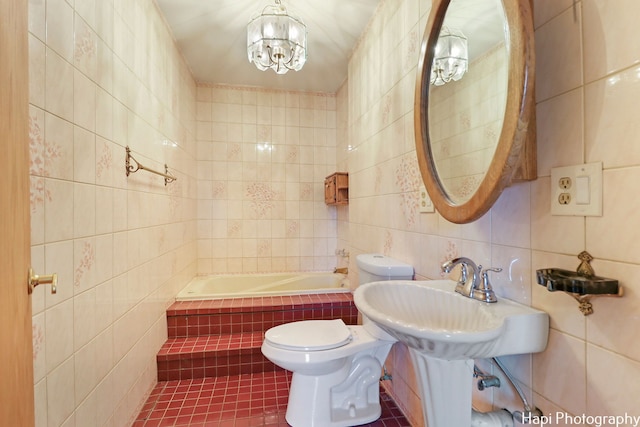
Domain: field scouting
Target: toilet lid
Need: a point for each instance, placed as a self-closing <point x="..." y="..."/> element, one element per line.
<point x="309" y="335"/>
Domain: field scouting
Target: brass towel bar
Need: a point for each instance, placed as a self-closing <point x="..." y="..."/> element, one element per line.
<point x="138" y="166"/>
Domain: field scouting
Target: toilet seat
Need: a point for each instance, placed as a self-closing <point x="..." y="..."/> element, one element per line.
<point x="309" y="335"/>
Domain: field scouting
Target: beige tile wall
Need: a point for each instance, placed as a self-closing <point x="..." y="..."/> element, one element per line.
<point x="123" y="247"/>
<point x="262" y="159"/>
<point x="105" y="74"/>
<point x="587" y="93"/>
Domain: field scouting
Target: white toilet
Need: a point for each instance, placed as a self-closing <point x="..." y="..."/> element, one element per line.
<point x="336" y="367"/>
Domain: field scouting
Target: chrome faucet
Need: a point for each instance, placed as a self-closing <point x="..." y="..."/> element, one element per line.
<point x="469" y="282"/>
<point x="466" y="282"/>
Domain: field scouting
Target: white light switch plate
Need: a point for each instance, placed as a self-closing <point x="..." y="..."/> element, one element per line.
<point x="426" y="205"/>
<point x="577" y="190"/>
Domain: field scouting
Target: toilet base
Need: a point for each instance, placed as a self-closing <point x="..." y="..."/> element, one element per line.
<point x="343" y="418"/>
<point x="347" y="397"/>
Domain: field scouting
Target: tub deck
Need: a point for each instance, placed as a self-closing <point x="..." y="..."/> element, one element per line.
<point x="263" y="285"/>
<point x="251" y="304"/>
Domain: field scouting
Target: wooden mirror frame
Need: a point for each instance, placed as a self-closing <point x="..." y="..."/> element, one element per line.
<point x="515" y="155"/>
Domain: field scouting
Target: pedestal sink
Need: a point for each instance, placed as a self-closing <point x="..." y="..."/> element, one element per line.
<point x="445" y="331"/>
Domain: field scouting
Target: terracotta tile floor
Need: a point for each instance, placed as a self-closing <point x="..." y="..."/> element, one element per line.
<point x="249" y="400"/>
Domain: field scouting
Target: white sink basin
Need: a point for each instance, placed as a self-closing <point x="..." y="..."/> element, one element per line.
<point x="432" y="318"/>
<point x="445" y="331"/>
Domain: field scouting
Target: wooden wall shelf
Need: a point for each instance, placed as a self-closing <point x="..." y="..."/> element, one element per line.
<point x="336" y="189"/>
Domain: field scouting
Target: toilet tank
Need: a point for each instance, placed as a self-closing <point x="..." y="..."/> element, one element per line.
<point x="377" y="267"/>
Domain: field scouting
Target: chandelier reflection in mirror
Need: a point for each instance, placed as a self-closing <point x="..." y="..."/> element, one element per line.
<point x="277" y="40"/>
<point x="450" y="57"/>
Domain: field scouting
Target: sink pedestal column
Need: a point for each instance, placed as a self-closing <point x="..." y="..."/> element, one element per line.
<point x="446" y="387"/>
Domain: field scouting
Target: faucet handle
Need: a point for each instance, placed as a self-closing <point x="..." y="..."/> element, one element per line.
<point x="485" y="293"/>
<point x="487" y="270"/>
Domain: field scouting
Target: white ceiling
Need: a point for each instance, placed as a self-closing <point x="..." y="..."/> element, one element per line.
<point x="211" y="34"/>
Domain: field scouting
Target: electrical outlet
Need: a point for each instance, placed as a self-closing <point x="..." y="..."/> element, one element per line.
<point x="564" y="183"/>
<point x="425" y="203"/>
<point x="577" y="190"/>
<point x="564" y="198"/>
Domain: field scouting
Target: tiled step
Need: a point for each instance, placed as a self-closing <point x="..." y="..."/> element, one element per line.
<point x="236" y="315"/>
<point x="212" y="356"/>
<point x="223" y="337"/>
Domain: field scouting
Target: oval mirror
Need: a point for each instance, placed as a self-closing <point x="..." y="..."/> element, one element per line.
<point x="474" y="103"/>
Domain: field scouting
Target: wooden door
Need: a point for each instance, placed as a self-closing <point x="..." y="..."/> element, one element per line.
<point x="16" y="353"/>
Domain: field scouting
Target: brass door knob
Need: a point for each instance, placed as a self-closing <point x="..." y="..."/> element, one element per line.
<point x="35" y="280"/>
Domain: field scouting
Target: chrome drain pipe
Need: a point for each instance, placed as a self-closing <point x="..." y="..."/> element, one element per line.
<point x="530" y="413"/>
<point x="502" y="418"/>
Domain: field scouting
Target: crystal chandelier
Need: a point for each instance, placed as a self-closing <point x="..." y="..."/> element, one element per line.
<point x="450" y="57"/>
<point x="277" y="40"/>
